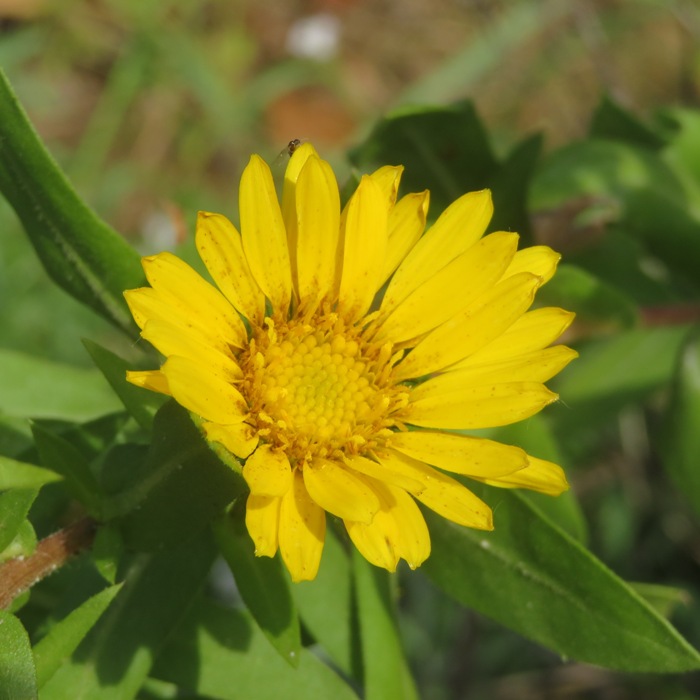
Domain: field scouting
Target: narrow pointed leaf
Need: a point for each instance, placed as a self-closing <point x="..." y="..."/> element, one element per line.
<point x="80" y="252"/>
<point x="63" y="638"/>
<point x="680" y="446"/>
<point x="141" y="404"/>
<point x="21" y="475"/>
<point x="14" y="506"/>
<point x="263" y="585"/>
<point x="114" y="659"/>
<point x="386" y="673"/>
<point x="17" y="674"/>
<point x="532" y="577"/>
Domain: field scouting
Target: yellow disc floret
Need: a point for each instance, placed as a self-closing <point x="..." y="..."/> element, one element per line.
<point x="318" y="388"/>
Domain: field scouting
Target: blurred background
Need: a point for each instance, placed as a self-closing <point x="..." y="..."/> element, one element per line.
<point x="153" y="108"/>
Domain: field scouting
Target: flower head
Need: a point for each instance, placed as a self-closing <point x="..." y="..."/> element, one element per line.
<point x="340" y="351"/>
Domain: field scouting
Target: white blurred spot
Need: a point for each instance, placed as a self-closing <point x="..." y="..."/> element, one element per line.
<point x="316" y="37"/>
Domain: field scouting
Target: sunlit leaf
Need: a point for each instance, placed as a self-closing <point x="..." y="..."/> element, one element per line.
<point x="386" y="673"/>
<point x="17" y="674"/>
<point x="532" y="577"/>
<point x="263" y="585"/>
<point x="63" y="638"/>
<point x="221" y="653"/>
<point x="79" y="251"/>
<point x="21" y="475"/>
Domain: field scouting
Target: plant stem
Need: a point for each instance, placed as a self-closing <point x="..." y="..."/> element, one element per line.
<point x="18" y="575"/>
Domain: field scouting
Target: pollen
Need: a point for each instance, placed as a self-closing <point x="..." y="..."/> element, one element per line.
<point x="318" y="388"/>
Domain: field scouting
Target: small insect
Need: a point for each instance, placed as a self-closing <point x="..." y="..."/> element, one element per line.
<point x="288" y="152"/>
<point x="292" y="146"/>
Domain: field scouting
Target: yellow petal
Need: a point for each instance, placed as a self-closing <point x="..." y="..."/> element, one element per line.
<point x="397" y="531"/>
<point x="267" y="472"/>
<point x="539" y="475"/>
<point x="382" y="472"/>
<point x="406" y="224"/>
<point x="532" y="331"/>
<point x="318" y="228"/>
<point x="196" y="388"/>
<point x="302" y="531"/>
<point x="459" y="227"/>
<point x="221" y="249"/>
<point x="262" y="518"/>
<point x="387" y="178"/>
<point x="264" y="235"/>
<point x="451" y="290"/>
<point x="185" y="290"/>
<point x="175" y="340"/>
<point x="537" y="366"/>
<point x="540" y="260"/>
<point x="461" y="454"/>
<point x="238" y="438"/>
<point x="146" y="304"/>
<point x="152" y="379"/>
<point x="443" y="494"/>
<point x="363" y="241"/>
<point x="340" y="490"/>
<point x="485" y="406"/>
<point x="489" y="316"/>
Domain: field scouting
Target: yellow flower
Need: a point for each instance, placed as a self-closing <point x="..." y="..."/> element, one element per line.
<point x="342" y="348"/>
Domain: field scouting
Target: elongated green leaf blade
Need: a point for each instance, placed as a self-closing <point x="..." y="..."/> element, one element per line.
<point x="116" y="656"/>
<point x="330" y="597"/>
<point x="14" y="506"/>
<point x="386" y="673"/>
<point x="680" y="446"/>
<point x="21" y="475"/>
<point x="61" y="456"/>
<point x="263" y="585"/>
<point x="532" y="577"/>
<point x="63" y="638"/>
<point x="76" y="393"/>
<point x="141" y="404"/>
<point x="220" y="653"/>
<point x="17" y="674"/>
<point x="79" y="251"/>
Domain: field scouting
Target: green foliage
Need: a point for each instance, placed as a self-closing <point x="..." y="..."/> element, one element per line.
<point x="624" y="206"/>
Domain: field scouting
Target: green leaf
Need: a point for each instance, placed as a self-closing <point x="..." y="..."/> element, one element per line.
<point x="537" y="438"/>
<point x="113" y="660"/>
<point x="611" y="121"/>
<point x="14" y="506"/>
<point x="263" y="585"/>
<point x="221" y="653"/>
<point x="680" y="443"/>
<point x="511" y="186"/>
<point x="664" y="599"/>
<point x="141" y="404"/>
<point x="595" y="302"/>
<point x="624" y="368"/>
<point x="23" y="543"/>
<point x="61" y="456"/>
<point x="667" y="228"/>
<point x="683" y="151"/>
<point x="79" y="251"/>
<point x="534" y="578"/>
<point x="601" y="168"/>
<point x="63" y="637"/>
<point x="443" y="149"/>
<point x="330" y="597"/>
<point x="17" y="674"/>
<point x="76" y="394"/>
<point x="178" y="490"/>
<point x="21" y="475"/>
<point x="107" y="550"/>
<point x="386" y="673"/>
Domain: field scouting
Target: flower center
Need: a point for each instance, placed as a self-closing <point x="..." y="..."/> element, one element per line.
<point x="317" y="388"/>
